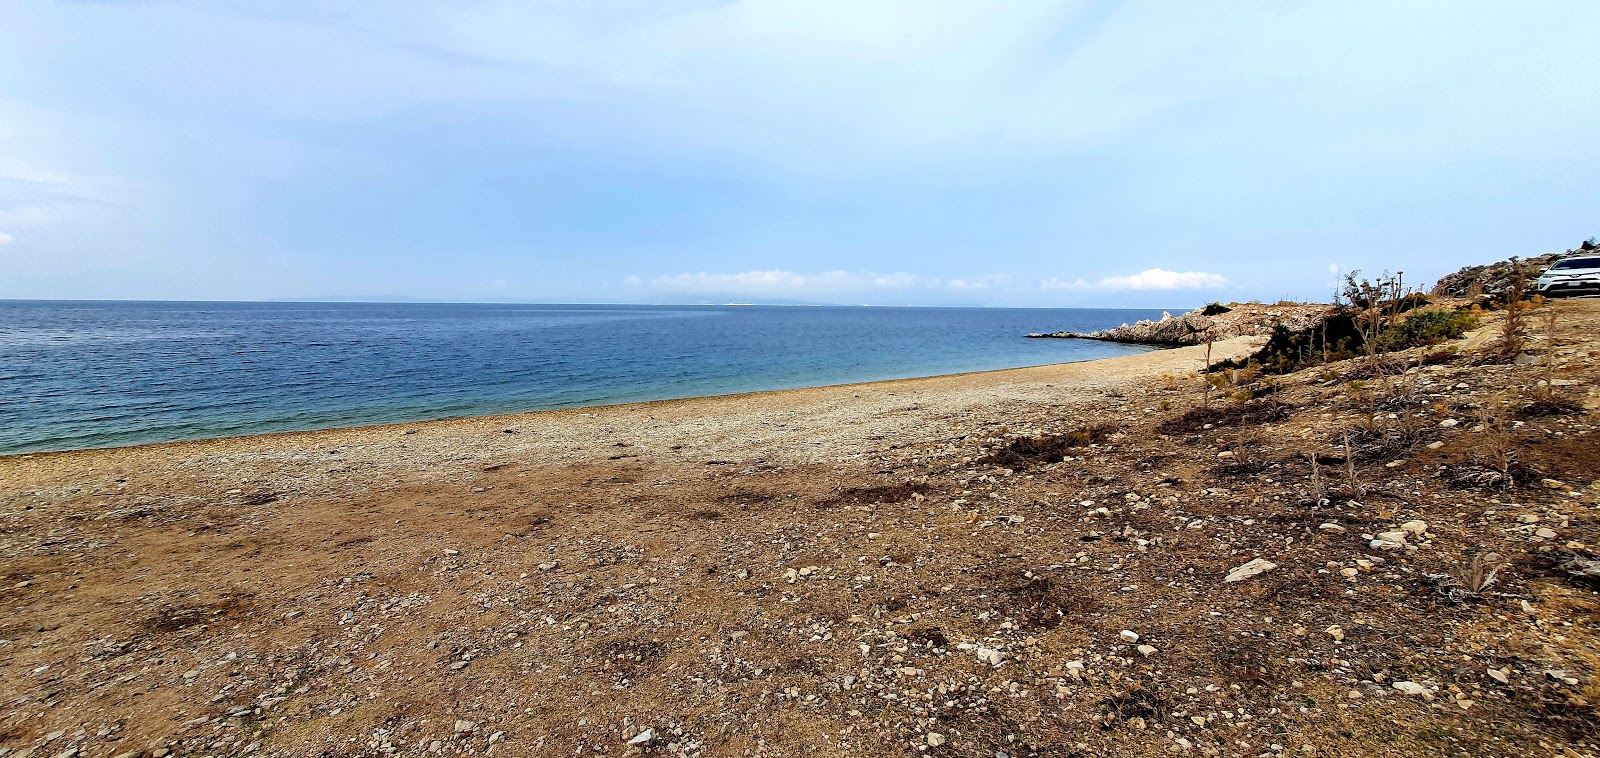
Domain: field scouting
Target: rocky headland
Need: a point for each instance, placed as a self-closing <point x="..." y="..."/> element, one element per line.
<point x="1213" y="322"/>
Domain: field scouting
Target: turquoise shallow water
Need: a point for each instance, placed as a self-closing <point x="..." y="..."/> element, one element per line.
<point x="94" y="374"/>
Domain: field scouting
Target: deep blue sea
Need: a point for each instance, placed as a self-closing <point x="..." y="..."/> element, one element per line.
<point x="95" y="374"/>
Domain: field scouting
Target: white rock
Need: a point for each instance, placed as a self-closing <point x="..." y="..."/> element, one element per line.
<point x="1128" y="635"/>
<point x="1331" y="527"/>
<point x="1414" y="527"/>
<point x="934" y="739"/>
<point x="643" y="738"/>
<point x="1146" y="650"/>
<point x="989" y="655"/>
<point x="1412" y="688"/>
<point x="1389" y="541"/>
<point x="1248" y="569"/>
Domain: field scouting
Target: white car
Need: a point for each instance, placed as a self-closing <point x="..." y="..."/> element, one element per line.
<point x="1570" y="276"/>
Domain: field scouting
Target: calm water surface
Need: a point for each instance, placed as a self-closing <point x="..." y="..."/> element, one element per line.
<point x="94" y="374"/>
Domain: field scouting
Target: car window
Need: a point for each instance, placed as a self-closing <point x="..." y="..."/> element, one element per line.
<point x="1578" y="263"/>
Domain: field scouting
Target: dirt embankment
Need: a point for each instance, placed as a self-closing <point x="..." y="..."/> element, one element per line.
<point x="1020" y="563"/>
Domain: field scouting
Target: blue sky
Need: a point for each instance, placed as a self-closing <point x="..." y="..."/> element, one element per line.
<point x="850" y="151"/>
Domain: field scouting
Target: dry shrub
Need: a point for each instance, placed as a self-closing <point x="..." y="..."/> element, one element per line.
<point x="883" y="493"/>
<point x="1022" y="452"/>
<point x="1254" y="412"/>
<point x="1470" y="579"/>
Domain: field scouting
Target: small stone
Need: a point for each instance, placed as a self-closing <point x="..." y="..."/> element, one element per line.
<point x="1545" y="533"/>
<point x="1248" y="569"/>
<point x="1414" y="689"/>
<point x="1128" y="635"/>
<point x="934" y="739"/>
<point x="1225" y="455"/>
<point x="1502" y="676"/>
<point x="1349" y="573"/>
<point x="1553" y="484"/>
<point x="1332" y="528"/>
<point x="1449" y="422"/>
<point x="451" y="551"/>
<point x="1336" y="632"/>
<point x="458" y="665"/>
<point x="643" y="738"/>
<point x="1146" y="650"/>
<point x="1389" y="541"/>
<point x="1415" y="528"/>
<point x="1435" y="445"/>
<point x="464" y="726"/>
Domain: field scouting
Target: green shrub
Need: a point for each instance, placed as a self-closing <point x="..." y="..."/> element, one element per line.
<point x="1426" y="328"/>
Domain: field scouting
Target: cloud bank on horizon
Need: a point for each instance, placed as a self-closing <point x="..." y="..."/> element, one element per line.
<point x="1036" y="152"/>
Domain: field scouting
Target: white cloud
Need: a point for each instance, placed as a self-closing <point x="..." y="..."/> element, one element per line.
<point x="781" y="282"/>
<point x="1063" y="284"/>
<point x="1148" y="279"/>
<point x="1162" y="279"/>
<point x="979" y="282"/>
<point x="29" y="216"/>
<point x="6" y="239"/>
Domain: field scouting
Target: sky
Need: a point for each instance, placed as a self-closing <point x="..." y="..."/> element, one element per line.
<point x="888" y="152"/>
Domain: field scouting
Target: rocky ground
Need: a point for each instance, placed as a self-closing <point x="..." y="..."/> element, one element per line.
<point x="1094" y="559"/>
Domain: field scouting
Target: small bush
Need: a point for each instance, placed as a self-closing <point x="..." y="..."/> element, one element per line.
<point x="1247" y="413"/>
<point x="1022" y="451"/>
<point x="1427" y="328"/>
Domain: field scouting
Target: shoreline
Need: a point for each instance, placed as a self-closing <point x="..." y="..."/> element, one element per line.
<point x="492" y="417"/>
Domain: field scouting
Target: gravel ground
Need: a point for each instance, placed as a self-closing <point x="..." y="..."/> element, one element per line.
<point x="1020" y="563"/>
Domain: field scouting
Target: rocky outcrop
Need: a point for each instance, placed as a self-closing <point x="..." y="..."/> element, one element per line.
<point x="1210" y="322"/>
<point x="1491" y="281"/>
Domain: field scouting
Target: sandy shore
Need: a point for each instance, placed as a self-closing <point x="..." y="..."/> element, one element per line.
<point x="806" y="425"/>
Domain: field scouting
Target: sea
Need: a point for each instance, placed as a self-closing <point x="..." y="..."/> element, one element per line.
<point x="80" y="374"/>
